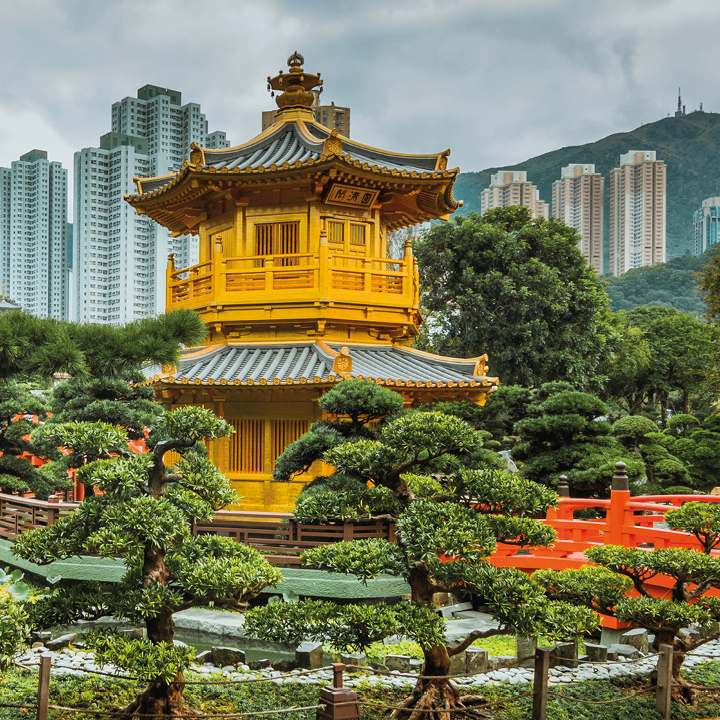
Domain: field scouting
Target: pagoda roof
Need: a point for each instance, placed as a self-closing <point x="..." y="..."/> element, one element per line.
<point x="320" y="362"/>
<point x="300" y="142"/>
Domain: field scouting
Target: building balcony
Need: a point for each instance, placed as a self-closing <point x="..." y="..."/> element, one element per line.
<point x="300" y="288"/>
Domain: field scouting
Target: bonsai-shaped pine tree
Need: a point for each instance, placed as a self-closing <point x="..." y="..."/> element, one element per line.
<point x="119" y="400"/>
<point x="621" y="570"/>
<point x="145" y="515"/>
<point x="20" y="411"/>
<point x="565" y="433"/>
<point x="696" y="444"/>
<point x="102" y="361"/>
<point x="662" y="469"/>
<point x="446" y="530"/>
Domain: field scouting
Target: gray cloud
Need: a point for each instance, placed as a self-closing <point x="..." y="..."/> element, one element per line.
<point x="495" y="81"/>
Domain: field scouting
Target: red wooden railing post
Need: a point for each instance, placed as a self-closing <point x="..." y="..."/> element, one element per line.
<point x="619" y="497"/>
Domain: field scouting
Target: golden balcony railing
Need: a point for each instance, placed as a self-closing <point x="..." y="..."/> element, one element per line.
<point x="294" y="277"/>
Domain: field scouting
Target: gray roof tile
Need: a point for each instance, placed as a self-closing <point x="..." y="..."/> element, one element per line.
<point x="295" y="361"/>
<point x="287" y="143"/>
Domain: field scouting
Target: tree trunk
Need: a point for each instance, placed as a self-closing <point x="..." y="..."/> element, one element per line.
<point x="680" y="691"/>
<point x="434" y="696"/>
<point x="686" y="402"/>
<point x="160" y="697"/>
<point x="663" y="409"/>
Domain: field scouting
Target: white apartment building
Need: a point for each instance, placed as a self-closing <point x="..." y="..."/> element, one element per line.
<point x="511" y="187"/>
<point x="706" y="225"/>
<point x="578" y="199"/>
<point x="33" y="234"/>
<point x="637" y="211"/>
<point x="119" y="257"/>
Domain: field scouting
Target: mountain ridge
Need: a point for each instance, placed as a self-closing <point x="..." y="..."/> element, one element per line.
<point x="689" y="145"/>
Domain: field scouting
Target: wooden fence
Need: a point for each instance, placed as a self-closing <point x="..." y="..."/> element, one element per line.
<point x="628" y="521"/>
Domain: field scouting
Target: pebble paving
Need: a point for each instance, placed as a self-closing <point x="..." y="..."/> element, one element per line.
<point x="72" y="661"/>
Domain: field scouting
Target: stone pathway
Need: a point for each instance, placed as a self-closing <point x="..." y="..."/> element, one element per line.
<point x="69" y="660"/>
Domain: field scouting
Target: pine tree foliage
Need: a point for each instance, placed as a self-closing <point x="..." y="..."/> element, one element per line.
<point x="103" y="361"/>
<point x="566" y="433"/>
<point x="144" y="513"/>
<point x="449" y="519"/>
<point x="21" y="409"/>
<point x="606" y="587"/>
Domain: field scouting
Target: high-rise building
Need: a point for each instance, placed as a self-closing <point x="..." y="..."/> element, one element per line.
<point x="332" y="116"/>
<point x="577" y="200"/>
<point x="33" y="234"/>
<point x="511" y="187"/>
<point x="637" y="211"/>
<point x="119" y="257"/>
<point x="705" y="225"/>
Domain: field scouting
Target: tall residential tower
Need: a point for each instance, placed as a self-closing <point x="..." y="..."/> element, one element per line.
<point x="577" y="200"/>
<point x="33" y="234"/>
<point x="706" y="225"/>
<point x="637" y="211"/>
<point x="511" y="187"/>
<point x="118" y="255"/>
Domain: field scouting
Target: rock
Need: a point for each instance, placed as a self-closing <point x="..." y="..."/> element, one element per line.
<point x="42" y="636"/>
<point x="227" y="656"/>
<point x="416" y="664"/>
<point x="204" y="657"/>
<point x="596" y="653"/>
<point x="309" y="655"/>
<point x="628" y="652"/>
<point x="526" y="647"/>
<point x="285" y="665"/>
<point x="135" y="633"/>
<point x="457" y="664"/>
<point x="637" y="637"/>
<point x="37" y="645"/>
<point x="476" y="660"/>
<point x="504" y="661"/>
<point x="61" y="642"/>
<point x="357" y="659"/>
<point x="612" y="655"/>
<point x="380" y="667"/>
<point x="228" y="668"/>
<point x="179" y="643"/>
<point x="449" y="610"/>
<point x="260" y="664"/>
<point x="401" y="663"/>
<point x="693" y="632"/>
<point x="565" y="654"/>
<point x="610" y="636"/>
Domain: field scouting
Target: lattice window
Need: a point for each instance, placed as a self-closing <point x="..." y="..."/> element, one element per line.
<point x="281" y="238"/>
<point x="285" y="432"/>
<point x="336" y="231"/>
<point x="247" y="447"/>
<point x="357" y="234"/>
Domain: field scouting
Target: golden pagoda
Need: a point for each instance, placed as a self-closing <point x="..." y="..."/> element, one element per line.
<point x="294" y="282"/>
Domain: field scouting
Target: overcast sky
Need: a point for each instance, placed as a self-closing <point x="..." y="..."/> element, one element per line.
<point x="497" y="81"/>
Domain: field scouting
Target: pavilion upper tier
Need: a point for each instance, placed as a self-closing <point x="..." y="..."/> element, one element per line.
<point x="293" y="229"/>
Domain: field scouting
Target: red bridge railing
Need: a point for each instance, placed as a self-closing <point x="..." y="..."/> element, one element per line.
<point x="629" y="521"/>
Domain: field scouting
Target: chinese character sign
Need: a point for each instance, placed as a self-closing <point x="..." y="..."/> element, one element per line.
<point x="348" y="195"/>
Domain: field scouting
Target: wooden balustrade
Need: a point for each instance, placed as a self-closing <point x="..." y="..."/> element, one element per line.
<point x="632" y="520"/>
<point x="223" y="277"/>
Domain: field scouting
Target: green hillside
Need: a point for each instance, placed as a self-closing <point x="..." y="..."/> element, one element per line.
<point x="689" y="145"/>
<point x="674" y="284"/>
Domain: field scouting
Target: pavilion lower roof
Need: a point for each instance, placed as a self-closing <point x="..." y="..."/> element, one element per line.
<point x="312" y="362"/>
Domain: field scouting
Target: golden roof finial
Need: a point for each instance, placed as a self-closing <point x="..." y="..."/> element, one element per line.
<point x="296" y="85"/>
